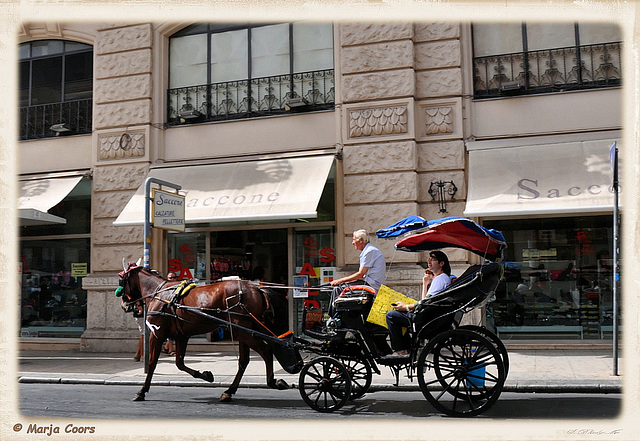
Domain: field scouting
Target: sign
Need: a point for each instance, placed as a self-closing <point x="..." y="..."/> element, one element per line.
<point x="79" y="270"/>
<point x="168" y="210"/>
<point x="327" y="274"/>
<point x="302" y="282"/>
<point x="382" y="304"/>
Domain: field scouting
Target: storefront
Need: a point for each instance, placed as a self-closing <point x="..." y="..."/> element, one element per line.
<point x="553" y="202"/>
<point x="271" y="220"/>
<point x="55" y="227"/>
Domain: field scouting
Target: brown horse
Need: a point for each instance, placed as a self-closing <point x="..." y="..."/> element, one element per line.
<point x="251" y="311"/>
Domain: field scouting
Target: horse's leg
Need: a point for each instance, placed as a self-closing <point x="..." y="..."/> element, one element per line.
<point x="181" y="349"/>
<point x="155" y="347"/>
<point x="265" y="351"/>
<point x="243" y="362"/>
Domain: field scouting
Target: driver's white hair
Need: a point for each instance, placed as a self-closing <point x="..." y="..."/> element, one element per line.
<point x="361" y="235"/>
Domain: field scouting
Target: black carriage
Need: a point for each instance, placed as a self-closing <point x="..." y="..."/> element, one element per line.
<point x="461" y="369"/>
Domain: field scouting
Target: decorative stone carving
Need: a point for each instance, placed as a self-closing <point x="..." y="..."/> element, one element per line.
<point x="121" y="145"/>
<point x="438" y="120"/>
<point x="379" y="121"/>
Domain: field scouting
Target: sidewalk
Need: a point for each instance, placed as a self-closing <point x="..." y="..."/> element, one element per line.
<point x="583" y="370"/>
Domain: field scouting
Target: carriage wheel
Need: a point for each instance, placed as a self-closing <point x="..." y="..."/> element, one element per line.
<point x="460" y="373"/>
<point x="360" y="374"/>
<point x="325" y="384"/>
<point x="493" y="338"/>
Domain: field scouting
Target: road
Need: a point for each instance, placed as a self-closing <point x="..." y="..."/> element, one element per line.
<point x="114" y="402"/>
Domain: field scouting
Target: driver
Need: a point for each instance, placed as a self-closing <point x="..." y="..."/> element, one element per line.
<point x="372" y="269"/>
<point x="400" y="316"/>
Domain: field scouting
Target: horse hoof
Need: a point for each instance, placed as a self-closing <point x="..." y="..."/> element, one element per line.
<point x="207" y="376"/>
<point x="138" y="397"/>
<point x="281" y="384"/>
<point x="225" y="398"/>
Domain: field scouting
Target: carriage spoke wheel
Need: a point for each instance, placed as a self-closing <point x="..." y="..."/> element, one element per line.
<point x="495" y="340"/>
<point x="360" y="374"/>
<point x="325" y="384"/>
<point x="461" y="373"/>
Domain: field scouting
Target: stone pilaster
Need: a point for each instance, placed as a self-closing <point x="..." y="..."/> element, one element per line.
<point x="122" y="121"/>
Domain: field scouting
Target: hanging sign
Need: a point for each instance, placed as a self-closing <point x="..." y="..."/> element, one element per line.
<point x="168" y="210"/>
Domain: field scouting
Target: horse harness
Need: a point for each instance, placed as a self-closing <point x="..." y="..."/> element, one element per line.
<point x="181" y="290"/>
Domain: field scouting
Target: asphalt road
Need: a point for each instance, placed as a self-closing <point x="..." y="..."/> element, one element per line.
<point x="114" y="402"/>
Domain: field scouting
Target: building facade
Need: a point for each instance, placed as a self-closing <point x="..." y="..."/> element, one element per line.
<point x="287" y="137"/>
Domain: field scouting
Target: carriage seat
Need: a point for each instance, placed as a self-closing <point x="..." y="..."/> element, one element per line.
<point x="355" y="297"/>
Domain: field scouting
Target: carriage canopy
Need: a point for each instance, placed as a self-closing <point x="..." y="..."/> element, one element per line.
<point x="455" y="232"/>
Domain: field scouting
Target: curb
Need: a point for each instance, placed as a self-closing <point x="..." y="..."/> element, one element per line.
<point x="582" y="387"/>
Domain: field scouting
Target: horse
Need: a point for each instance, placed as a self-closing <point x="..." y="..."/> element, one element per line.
<point x="256" y="311"/>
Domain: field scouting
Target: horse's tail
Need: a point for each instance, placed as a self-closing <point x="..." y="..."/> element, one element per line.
<point x="278" y="312"/>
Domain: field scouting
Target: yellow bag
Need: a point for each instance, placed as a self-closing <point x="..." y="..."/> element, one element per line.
<point x="382" y="304"/>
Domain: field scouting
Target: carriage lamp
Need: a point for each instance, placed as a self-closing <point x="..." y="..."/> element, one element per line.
<point x="439" y="190"/>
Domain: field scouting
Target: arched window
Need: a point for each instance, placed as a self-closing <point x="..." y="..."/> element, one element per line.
<point x="526" y="58"/>
<point x="56" y="88"/>
<point x="225" y="71"/>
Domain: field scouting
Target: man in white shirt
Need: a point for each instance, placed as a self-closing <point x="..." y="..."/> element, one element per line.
<point x="372" y="269"/>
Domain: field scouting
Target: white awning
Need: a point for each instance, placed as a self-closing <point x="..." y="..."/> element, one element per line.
<point x="39" y="195"/>
<point x="288" y="188"/>
<point x="543" y="179"/>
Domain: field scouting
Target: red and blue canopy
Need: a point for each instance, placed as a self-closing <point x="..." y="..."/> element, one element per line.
<point x="455" y="232"/>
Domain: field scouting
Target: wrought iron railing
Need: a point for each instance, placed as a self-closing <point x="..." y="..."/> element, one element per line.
<point x="251" y="98"/>
<point x="36" y="121"/>
<point x="568" y="68"/>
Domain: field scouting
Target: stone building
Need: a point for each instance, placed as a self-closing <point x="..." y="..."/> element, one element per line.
<point x="359" y="118"/>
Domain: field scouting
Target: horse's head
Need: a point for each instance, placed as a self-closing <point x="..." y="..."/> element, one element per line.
<point x="129" y="289"/>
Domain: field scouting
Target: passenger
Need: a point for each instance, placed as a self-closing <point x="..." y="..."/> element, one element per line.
<point x="400" y="316"/>
<point x="372" y="269"/>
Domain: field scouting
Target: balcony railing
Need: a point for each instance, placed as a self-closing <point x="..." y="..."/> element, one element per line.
<point x="36" y="121"/>
<point x="552" y="70"/>
<point x="251" y="98"/>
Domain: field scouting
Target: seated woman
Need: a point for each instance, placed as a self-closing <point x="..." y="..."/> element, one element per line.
<point x="400" y="316"/>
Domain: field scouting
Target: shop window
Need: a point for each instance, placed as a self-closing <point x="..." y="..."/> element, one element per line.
<point x="528" y="58"/>
<point x="223" y="72"/>
<point x="314" y="252"/>
<point x="558" y="279"/>
<point x="52" y="301"/>
<point x="56" y="88"/>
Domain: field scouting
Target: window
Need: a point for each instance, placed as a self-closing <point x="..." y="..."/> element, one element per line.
<point x="53" y="261"/>
<point x="516" y="59"/>
<point x="558" y="278"/>
<point x="56" y="87"/>
<point x="220" y="72"/>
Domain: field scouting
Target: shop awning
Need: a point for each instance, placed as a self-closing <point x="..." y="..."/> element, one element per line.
<point x="37" y="196"/>
<point x="542" y="179"/>
<point x="287" y="188"/>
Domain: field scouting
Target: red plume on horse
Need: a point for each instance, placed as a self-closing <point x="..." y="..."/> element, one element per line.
<point x="178" y="311"/>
